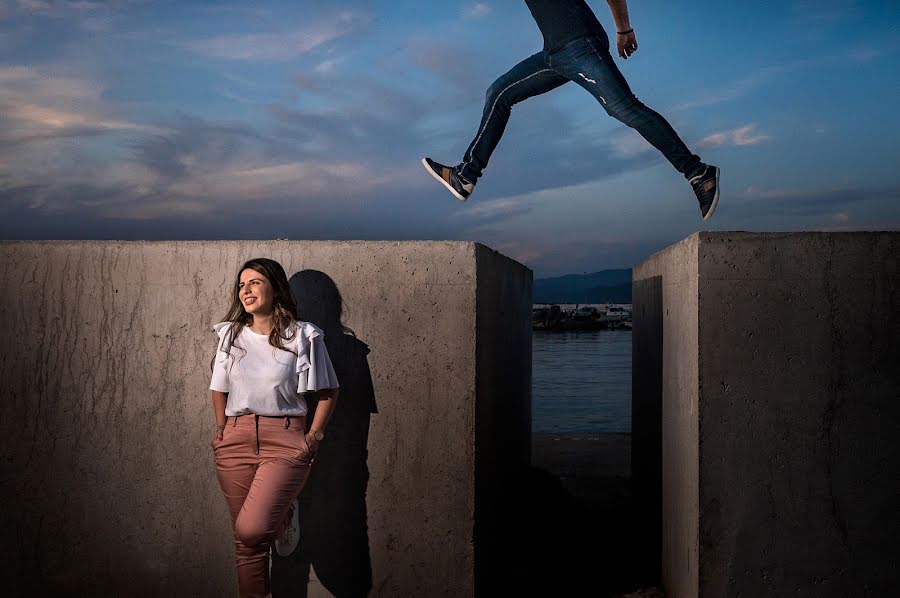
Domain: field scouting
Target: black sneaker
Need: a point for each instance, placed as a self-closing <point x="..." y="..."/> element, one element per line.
<point x="706" y="188"/>
<point x="449" y="177"/>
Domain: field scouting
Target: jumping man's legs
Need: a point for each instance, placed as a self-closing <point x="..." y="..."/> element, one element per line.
<point x="529" y="78"/>
<point x="588" y="62"/>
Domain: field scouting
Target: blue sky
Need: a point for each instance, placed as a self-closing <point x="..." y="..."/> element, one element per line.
<point x="307" y="120"/>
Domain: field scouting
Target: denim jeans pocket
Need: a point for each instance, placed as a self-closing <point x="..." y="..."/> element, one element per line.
<point x="578" y="49"/>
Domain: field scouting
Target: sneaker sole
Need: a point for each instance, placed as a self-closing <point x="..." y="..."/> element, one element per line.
<point x="715" y="201"/>
<point x="441" y="180"/>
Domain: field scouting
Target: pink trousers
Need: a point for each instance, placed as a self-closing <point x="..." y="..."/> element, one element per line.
<point x="262" y="464"/>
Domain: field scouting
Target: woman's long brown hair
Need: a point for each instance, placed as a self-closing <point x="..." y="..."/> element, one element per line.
<point x="284" y="308"/>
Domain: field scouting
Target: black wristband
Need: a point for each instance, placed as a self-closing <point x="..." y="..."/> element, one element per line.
<point x="626" y="32"/>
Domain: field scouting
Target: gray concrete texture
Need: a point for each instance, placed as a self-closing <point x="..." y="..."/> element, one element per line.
<point x="780" y="471"/>
<point x="107" y="479"/>
<point x="664" y="412"/>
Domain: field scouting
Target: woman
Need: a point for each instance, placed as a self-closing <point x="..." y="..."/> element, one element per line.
<point x="263" y="446"/>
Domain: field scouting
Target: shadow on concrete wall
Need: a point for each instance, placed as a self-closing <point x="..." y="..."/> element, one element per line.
<point x="334" y="532"/>
<point x="646" y="414"/>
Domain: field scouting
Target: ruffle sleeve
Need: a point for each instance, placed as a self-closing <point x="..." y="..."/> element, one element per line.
<point x="221" y="328"/>
<point x="314" y="368"/>
<point x="220" y="380"/>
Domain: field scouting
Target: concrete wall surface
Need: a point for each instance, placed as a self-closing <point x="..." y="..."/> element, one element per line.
<point x="107" y="479"/>
<point x="794" y="441"/>
<point x="664" y="413"/>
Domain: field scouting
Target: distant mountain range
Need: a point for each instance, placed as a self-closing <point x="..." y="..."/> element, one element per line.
<point x="606" y="286"/>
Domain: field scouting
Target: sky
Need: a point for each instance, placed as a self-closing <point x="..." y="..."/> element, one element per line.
<point x="308" y="120"/>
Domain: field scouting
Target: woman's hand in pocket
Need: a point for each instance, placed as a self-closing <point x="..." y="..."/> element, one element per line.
<point x="217" y="436"/>
<point x="311" y="443"/>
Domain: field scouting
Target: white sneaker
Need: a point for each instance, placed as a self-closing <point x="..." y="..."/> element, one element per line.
<point x="288" y="539"/>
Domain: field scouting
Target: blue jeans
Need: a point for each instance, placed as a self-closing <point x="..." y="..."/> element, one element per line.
<point x="587" y="62"/>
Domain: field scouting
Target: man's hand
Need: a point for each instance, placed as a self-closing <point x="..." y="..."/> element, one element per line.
<point x="626" y="44"/>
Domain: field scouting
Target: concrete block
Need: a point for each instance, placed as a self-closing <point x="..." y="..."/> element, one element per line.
<point x="107" y="481"/>
<point x="771" y="374"/>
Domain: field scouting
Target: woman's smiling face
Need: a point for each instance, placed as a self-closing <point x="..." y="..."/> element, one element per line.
<point x="256" y="293"/>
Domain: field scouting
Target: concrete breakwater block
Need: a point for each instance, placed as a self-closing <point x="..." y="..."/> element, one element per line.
<point x="107" y="479"/>
<point x="766" y="418"/>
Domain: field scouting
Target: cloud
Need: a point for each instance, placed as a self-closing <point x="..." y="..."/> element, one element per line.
<point x="370" y="118"/>
<point x="26" y="81"/>
<point x="799" y="194"/>
<point x="188" y="167"/>
<point x="63" y="148"/>
<point x="743" y="86"/>
<point x="37" y="104"/>
<point x="241" y="99"/>
<point x="50" y="118"/>
<point x="567" y="197"/>
<point x="745" y="135"/>
<point x="326" y="66"/>
<point x="863" y="55"/>
<point x="48" y="8"/>
<point x="819" y="12"/>
<point x="448" y="62"/>
<point x="764" y="75"/>
<point x="90" y="17"/>
<point x="556" y="256"/>
<point x="223" y="162"/>
<point x="832" y="203"/>
<point x="628" y="143"/>
<point x="523" y="251"/>
<point x="476" y="10"/>
<point x="302" y="180"/>
<point x="280" y="45"/>
<point x="498" y="210"/>
<point x="196" y="146"/>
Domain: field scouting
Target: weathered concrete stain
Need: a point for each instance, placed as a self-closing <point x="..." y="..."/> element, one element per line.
<point x="106" y="476"/>
<point x="794" y="451"/>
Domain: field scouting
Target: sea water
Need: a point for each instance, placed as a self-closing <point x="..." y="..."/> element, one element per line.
<point x="581" y="381"/>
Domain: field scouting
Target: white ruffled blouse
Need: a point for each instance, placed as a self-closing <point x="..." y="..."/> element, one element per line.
<point x="265" y="380"/>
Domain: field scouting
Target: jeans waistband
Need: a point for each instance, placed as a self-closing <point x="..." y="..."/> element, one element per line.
<point x="583" y="39"/>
